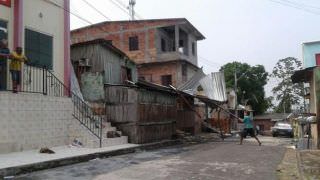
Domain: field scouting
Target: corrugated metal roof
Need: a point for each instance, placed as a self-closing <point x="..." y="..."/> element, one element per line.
<point x="104" y="43"/>
<point x="214" y="86"/>
<point x="192" y="84"/>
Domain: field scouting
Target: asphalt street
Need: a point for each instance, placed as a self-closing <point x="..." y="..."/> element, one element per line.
<point x="214" y="160"/>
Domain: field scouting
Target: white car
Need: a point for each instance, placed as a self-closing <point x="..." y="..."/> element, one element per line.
<point x="282" y="129"/>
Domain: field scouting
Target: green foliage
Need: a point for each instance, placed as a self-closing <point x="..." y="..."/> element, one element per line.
<point x="287" y="93"/>
<point x="250" y="84"/>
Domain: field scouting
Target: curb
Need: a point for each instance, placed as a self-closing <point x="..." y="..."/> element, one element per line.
<point x="300" y="171"/>
<point x="18" y="170"/>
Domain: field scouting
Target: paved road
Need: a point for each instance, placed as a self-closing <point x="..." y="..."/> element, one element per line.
<point x="214" y="160"/>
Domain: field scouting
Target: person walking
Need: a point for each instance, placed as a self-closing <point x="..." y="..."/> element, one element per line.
<point x="17" y="58"/>
<point x="248" y="128"/>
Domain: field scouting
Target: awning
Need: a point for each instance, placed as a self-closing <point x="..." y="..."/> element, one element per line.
<point x="303" y="75"/>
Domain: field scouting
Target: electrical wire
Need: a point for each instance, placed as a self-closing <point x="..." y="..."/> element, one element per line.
<point x="120" y="7"/>
<point x="53" y="2"/>
<point x="96" y="9"/>
<point x="204" y="60"/>
<point x="301" y="4"/>
<point x="303" y="8"/>
<point x="125" y="7"/>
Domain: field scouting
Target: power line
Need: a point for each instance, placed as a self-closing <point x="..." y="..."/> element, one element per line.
<point x="120" y="7"/>
<point x="96" y="9"/>
<point x="205" y="61"/>
<point x="68" y="11"/>
<point x="125" y="6"/>
<point x="208" y="61"/>
<point x="306" y="5"/>
<point x="284" y="3"/>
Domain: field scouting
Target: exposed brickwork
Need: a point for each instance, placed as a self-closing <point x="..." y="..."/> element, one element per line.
<point x="147" y="32"/>
<point x="119" y="34"/>
<point x="153" y="73"/>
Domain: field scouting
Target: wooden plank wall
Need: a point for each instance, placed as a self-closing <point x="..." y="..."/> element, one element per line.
<point x="144" y="115"/>
<point x="121" y="104"/>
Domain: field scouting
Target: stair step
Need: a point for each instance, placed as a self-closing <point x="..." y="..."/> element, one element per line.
<point x="106" y="142"/>
<point x="114" y="141"/>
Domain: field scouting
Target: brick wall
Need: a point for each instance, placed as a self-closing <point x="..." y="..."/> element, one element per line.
<point x="148" y="37"/>
<point x="156" y="71"/>
<point x="119" y="34"/>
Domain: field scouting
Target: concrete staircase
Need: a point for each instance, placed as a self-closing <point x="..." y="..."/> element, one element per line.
<point x="31" y="121"/>
<point x="110" y="135"/>
<point x="89" y="140"/>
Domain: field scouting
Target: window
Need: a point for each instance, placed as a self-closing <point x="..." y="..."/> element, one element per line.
<point x="39" y="48"/>
<point x="184" y="70"/>
<point x="126" y="74"/>
<point x="163" y="45"/>
<point x="193" y="48"/>
<point x="181" y="43"/>
<point x="3" y="30"/>
<point x="146" y="77"/>
<point x="133" y="43"/>
<point x="166" y="80"/>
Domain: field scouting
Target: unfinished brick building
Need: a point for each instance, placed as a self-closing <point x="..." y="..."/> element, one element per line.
<point x="165" y="50"/>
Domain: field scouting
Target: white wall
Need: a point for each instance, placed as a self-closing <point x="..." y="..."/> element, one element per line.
<point x="31" y="121"/>
<point x="51" y="23"/>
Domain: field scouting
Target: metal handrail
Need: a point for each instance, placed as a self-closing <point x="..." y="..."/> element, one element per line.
<point x="41" y="80"/>
<point x="81" y="110"/>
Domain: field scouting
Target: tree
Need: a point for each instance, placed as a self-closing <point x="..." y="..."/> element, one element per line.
<point x="287" y="93"/>
<point x="250" y="84"/>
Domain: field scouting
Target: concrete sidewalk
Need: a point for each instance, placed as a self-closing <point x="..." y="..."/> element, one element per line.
<point x="13" y="164"/>
<point x="309" y="164"/>
<point x="300" y="164"/>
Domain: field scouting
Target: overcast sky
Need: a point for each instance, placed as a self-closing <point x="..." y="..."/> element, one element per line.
<point x="251" y="31"/>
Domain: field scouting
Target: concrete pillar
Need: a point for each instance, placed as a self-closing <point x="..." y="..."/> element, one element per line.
<point x="121" y="38"/>
<point x="146" y="44"/>
<point x="176" y="36"/>
<point x="18" y="23"/>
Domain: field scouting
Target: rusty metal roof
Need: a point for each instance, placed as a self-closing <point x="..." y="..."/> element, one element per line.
<point x="104" y="43"/>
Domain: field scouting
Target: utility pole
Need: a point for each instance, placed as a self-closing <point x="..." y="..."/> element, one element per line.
<point x="132" y="3"/>
<point x="236" y="96"/>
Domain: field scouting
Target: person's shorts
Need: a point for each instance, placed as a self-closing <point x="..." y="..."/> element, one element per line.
<point x="248" y="131"/>
<point x="16" y="76"/>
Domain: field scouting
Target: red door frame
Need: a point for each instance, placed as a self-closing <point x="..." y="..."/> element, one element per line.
<point x="318" y="59"/>
<point x="6" y="2"/>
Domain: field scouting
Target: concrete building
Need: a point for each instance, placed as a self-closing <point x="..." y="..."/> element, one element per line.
<point x="165" y="50"/>
<point x="311" y="75"/>
<point x="42" y="28"/>
<point x="45" y="113"/>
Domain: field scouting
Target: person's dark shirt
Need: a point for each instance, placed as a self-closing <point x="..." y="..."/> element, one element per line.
<point x="4" y="51"/>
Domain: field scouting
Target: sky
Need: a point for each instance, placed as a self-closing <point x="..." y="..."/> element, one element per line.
<point x="251" y="31"/>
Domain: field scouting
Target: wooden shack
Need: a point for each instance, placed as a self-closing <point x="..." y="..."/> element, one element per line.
<point x="145" y="112"/>
<point x="190" y="114"/>
<point x="96" y="63"/>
